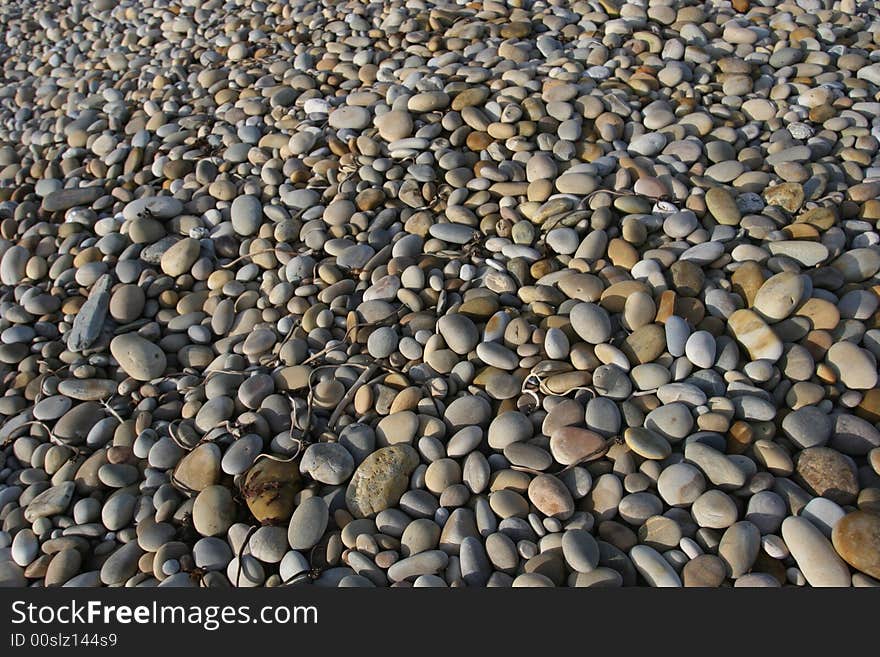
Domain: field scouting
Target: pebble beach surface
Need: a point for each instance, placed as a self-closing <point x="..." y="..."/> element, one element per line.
<point x="354" y="294"/>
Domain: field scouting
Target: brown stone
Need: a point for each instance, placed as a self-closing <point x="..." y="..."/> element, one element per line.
<point x="754" y="335"/>
<point x="571" y="444"/>
<point x="665" y="306"/>
<point x="801" y="232"/>
<point x="823" y="314"/>
<point x="644" y="344"/>
<point x="478" y="141"/>
<point x="481" y="307"/>
<point x="856" y="537"/>
<point x="723" y="207"/>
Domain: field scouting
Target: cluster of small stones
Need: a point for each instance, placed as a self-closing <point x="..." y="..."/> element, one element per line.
<point x="526" y="293"/>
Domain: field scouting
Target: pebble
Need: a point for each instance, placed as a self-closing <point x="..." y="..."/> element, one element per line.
<point x="180" y="257"/>
<point x="122" y="564"/>
<point x="758" y="339"/>
<point x="653" y="568"/>
<point x="739" y="548"/>
<point x="680" y="484"/>
<point x="241" y="454"/>
<point x="814" y="554"/>
<point x="551" y="497"/>
<point x="64" y="566"/>
<point x="856" y="538"/>
<point x="245" y="572"/>
<point x="570" y="445"/>
<point x="647" y="444"/>
<point x="807" y="427"/>
<point x="139" y="358"/>
<point x="704" y="571"/>
<point x="855" y="367"/>
<point x="213" y="511"/>
<point x="714" y="509"/>
<point x="25" y="547"/>
<point x="824" y="514"/>
<point x="459" y="333"/>
<point x="246" y="213"/>
<point x="700" y="349"/>
<point x="853" y="435"/>
<point x="591" y="322"/>
<point x="424" y="563"/>
<point x="580" y="550"/>
<point x="212" y="553"/>
<point x="500" y="302"/>
<point x="327" y="463"/>
<point x="717" y="466"/>
<point x="380" y="480"/>
<point x="200" y="468"/>
<point x="292" y="564"/>
<point x="828" y="473"/>
<point x="780" y="295"/>
<point x="308" y="524"/>
<point x="50" y="502"/>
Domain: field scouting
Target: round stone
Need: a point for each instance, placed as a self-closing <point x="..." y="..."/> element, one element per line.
<point x="739" y="548"/>
<point x="700" y="349"/>
<point x="327" y="463"/>
<point x="828" y="473"/>
<point x="212" y="553"/>
<point x="380" y="480"/>
<point x="722" y="206"/>
<point x="856" y="538"/>
<point x="591" y="323"/>
<point x="308" y="524"/>
<point x="349" y="117"/>
<point x="180" y="257"/>
<point x="580" y="550"/>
